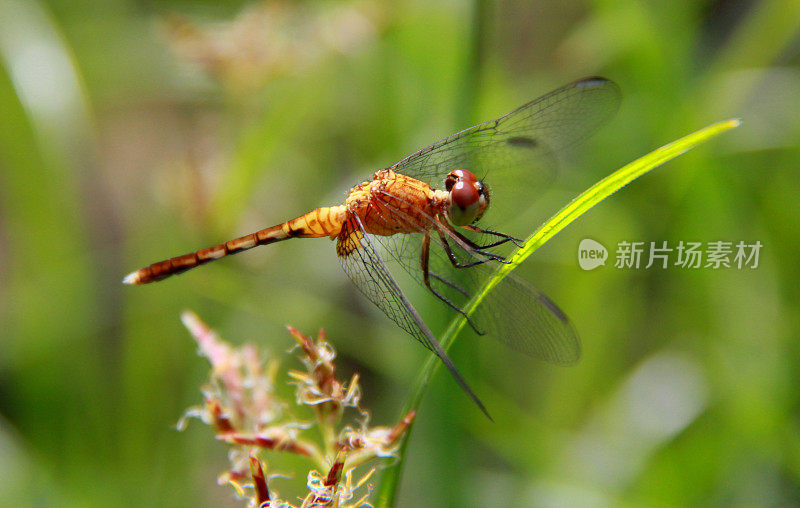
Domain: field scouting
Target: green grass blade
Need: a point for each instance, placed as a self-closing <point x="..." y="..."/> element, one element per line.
<point x="577" y="207"/>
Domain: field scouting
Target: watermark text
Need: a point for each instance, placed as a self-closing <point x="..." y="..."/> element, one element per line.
<point x="688" y="255"/>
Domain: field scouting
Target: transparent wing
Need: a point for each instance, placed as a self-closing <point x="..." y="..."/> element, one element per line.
<point x="516" y="152"/>
<point x="514" y="312"/>
<point x="550" y="123"/>
<point x="526" y="320"/>
<point x="368" y="272"/>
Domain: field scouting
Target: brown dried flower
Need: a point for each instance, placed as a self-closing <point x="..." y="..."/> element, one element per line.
<point x="240" y="403"/>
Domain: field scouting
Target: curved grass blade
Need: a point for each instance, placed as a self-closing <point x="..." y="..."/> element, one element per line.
<point x="577" y="207"/>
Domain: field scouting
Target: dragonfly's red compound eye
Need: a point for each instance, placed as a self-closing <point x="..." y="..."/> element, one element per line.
<point x="458" y="175"/>
<point x="468" y="200"/>
<point x="464" y="194"/>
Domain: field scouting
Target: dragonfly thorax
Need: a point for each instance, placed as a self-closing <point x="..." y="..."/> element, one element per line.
<point x="394" y="203"/>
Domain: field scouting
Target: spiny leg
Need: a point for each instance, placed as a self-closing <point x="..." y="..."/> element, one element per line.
<point x="490" y="256"/>
<point x="505" y="237"/>
<point x="452" y="285"/>
<point x="426" y="274"/>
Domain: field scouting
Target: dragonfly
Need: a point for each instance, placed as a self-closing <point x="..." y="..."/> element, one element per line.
<point x="422" y="215"/>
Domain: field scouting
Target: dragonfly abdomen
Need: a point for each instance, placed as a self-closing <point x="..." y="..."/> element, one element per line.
<point x="325" y="221"/>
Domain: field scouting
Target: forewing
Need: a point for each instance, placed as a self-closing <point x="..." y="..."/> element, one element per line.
<point x="554" y="121"/>
<point x="516" y="152"/>
<point x="367" y="270"/>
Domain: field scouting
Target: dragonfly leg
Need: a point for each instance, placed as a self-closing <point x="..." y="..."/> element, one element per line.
<point x="505" y="237"/>
<point x="490" y="256"/>
<point x="426" y="276"/>
<point x="452" y="285"/>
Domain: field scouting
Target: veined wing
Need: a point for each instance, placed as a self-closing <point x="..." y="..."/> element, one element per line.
<point x="513" y="312"/>
<point x="369" y="273"/>
<point x="526" y="320"/>
<point x="516" y="152"/>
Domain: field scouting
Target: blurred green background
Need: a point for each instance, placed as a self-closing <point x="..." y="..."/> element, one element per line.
<point x="134" y="130"/>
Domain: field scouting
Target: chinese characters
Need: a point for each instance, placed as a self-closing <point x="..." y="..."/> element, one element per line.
<point x="714" y="255"/>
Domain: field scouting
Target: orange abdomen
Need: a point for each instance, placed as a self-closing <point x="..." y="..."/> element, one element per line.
<point x="326" y="221"/>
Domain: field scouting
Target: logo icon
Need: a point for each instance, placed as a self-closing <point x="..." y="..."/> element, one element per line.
<point x="591" y="254"/>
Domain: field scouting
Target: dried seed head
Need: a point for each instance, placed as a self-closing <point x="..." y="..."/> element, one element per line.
<point x="243" y="408"/>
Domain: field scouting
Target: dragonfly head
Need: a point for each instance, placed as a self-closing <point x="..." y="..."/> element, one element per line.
<point x="469" y="197"/>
